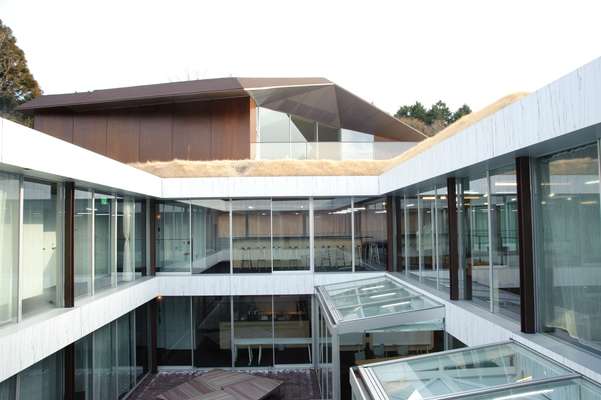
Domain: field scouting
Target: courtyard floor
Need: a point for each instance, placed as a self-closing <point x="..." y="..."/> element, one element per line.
<point x="299" y="384"/>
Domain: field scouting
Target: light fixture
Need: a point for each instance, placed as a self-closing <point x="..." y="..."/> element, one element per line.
<point x="592" y="182"/>
<point x="372" y="287"/>
<point x="551" y="194"/>
<point x="380" y="212"/>
<point x="378" y="296"/>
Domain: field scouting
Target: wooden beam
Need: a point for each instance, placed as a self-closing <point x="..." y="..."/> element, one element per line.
<point x="453" y="238"/>
<point x="525" y="245"/>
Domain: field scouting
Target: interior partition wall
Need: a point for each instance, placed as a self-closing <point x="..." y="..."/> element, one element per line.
<point x="235" y="331"/>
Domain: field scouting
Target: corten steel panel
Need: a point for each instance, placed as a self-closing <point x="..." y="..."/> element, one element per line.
<point x="525" y="246"/>
<point x="192" y="131"/>
<point x="123" y="136"/>
<point x="453" y="238"/>
<point x="89" y="131"/>
<point x="59" y="125"/>
<point x="155" y="134"/>
<point x="230" y="126"/>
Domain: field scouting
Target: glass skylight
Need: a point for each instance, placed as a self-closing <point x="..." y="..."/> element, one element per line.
<point x="375" y="297"/>
<point x="502" y="372"/>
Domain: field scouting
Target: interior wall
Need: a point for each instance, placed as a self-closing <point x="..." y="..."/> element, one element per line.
<point x="200" y="130"/>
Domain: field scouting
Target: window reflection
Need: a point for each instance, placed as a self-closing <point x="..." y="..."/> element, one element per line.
<point x="290" y="234"/>
<point x="371" y="234"/>
<point x="333" y="234"/>
<point x="211" y="236"/>
<point x="251" y="236"/>
<point x="9" y="246"/>
<point x="173" y="237"/>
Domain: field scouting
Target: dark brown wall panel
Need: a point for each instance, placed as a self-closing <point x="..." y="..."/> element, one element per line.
<point x="192" y="131"/>
<point x="57" y="125"/>
<point x="155" y="134"/>
<point x="230" y="129"/>
<point x="89" y="131"/>
<point x="123" y="136"/>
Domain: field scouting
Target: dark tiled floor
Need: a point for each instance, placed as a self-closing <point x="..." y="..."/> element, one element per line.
<point x="299" y="384"/>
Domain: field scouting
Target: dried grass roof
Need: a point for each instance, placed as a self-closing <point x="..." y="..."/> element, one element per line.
<point x="225" y="168"/>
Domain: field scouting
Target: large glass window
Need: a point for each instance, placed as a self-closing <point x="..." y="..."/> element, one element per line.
<point x="504" y="242"/>
<point x="442" y="238"/>
<point x="412" y="228"/>
<point x="333" y="234"/>
<point x="251" y="235"/>
<point x="427" y="232"/>
<point x="174" y="345"/>
<point x="126" y="227"/>
<point x="302" y="130"/>
<point x="253" y="331"/>
<point x="399" y="232"/>
<point x="371" y="234"/>
<point x="290" y="234"/>
<point x="211" y="236"/>
<point x="569" y="252"/>
<point x="83" y="242"/>
<point x="42" y="257"/>
<point x="140" y="237"/>
<point x="9" y="246"/>
<point x="474" y="237"/>
<point x="274" y="126"/>
<point x="125" y="345"/>
<point x="104" y="242"/>
<point x="142" y="341"/>
<point x="292" y="329"/>
<point x="173" y="237"/>
<point x="43" y="380"/>
<point x="212" y="331"/>
<point x="103" y="362"/>
<point x="84" y="368"/>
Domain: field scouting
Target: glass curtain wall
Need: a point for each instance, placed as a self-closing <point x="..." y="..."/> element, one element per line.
<point x="292" y="329"/>
<point x="104" y="241"/>
<point x="211" y="236"/>
<point x="290" y="234"/>
<point x="9" y="246"/>
<point x="83" y="232"/>
<point x="173" y="237"/>
<point x="399" y="232"/>
<point x="442" y="239"/>
<point x="474" y="238"/>
<point x="41" y="253"/>
<point x="212" y="331"/>
<point x="251" y="236"/>
<point x="253" y="331"/>
<point x="505" y="261"/>
<point x="43" y="380"/>
<point x="126" y="250"/>
<point x="426" y="239"/>
<point x="371" y="234"/>
<point x="412" y="224"/>
<point x="140" y="237"/>
<point x="333" y="237"/>
<point x="569" y="233"/>
<point x="174" y="338"/>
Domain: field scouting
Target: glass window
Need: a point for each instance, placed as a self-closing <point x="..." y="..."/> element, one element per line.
<point x="8" y="388"/>
<point x="251" y="235"/>
<point x="399" y="232"/>
<point x="274" y="126"/>
<point x="142" y="341"/>
<point x="302" y="130"/>
<point x="212" y="331"/>
<point x="42" y="258"/>
<point x="292" y="329"/>
<point x="442" y="238"/>
<point x="347" y="135"/>
<point x="126" y="253"/>
<point x="504" y="242"/>
<point x="9" y="246"/>
<point x="211" y="236"/>
<point x="253" y="331"/>
<point x="83" y="368"/>
<point x="140" y="237"/>
<point x="474" y="238"/>
<point x="104" y="244"/>
<point x="328" y="133"/>
<point x="290" y="245"/>
<point x="333" y="234"/>
<point x="125" y="343"/>
<point x="174" y="332"/>
<point x="43" y="380"/>
<point x="569" y="252"/>
<point x="173" y="237"/>
<point x="412" y="231"/>
<point x="427" y="233"/>
<point x="103" y="363"/>
<point x="371" y="234"/>
<point x="83" y="242"/>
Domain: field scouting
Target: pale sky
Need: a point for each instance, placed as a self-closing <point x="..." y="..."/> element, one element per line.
<point x="388" y="52"/>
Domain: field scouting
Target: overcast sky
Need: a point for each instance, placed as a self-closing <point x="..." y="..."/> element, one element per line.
<point x="388" y="52"/>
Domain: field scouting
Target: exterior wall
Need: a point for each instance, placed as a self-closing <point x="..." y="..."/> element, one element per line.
<point x="206" y="130"/>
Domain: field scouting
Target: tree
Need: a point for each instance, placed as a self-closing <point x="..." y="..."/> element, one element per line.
<point x="433" y="120"/>
<point x="17" y="84"/>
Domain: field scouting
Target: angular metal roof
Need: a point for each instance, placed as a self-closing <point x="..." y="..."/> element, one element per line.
<point x="316" y="99"/>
